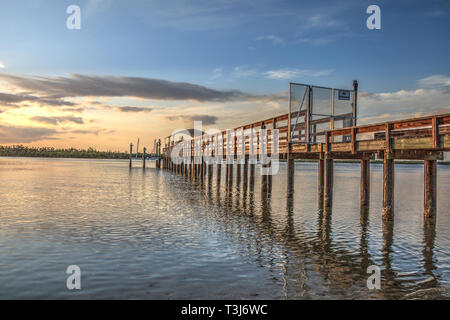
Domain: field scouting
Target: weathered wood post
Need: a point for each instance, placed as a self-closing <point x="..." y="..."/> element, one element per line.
<point x="143" y="157"/>
<point x="388" y="187"/>
<point x="252" y="158"/>
<point x="210" y="171"/>
<point x="263" y="156"/>
<point x="328" y="182"/>
<point x="320" y="180"/>
<point x="131" y="154"/>
<point x="245" y="173"/>
<point x="290" y="157"/>
<point x="218" y="173"/>
<point x="238" y="164"/>
<point x="388" y="176"/>
<point x="229" y="159"/>
<point x="365" y="182"/>
<point x="430" y="188"/>
<point x="290" y="173"/>
<point x="271" y="145"/>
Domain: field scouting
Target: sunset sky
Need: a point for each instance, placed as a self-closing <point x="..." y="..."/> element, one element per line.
<point x="145" y="68"/>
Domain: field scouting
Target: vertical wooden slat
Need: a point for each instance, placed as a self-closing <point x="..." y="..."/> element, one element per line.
<point x="353" y="140"/>
<point x="435" y="132"/>
<point x="388" y="141"/>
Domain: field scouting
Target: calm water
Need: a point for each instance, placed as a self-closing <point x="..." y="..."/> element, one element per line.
<point x="155" y="235"/>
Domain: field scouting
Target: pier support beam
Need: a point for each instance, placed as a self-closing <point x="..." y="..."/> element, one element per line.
<point x="365" y="182"/>
<point x="210" y="171"/>
<point x="290" y="174"/>
<point x="388" y="188"/>
<point x="238" y="173"/>
<point x="202" y="168"/>
<point x="229" y="172"/>
<point x="252" y="174"/>
<point x="218" y="173"/>
<point x="143" y="158"/>
<point x="264" y="178"/>
<point x="131" y="155"/>
<point x="245" y="174"/>
<point x="269" y="178"/>
<point x="328" y="183"/>
<point x="430" y="188"/>
<point x="320" y="182"/>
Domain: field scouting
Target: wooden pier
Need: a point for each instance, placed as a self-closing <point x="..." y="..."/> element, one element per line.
<point x="423" y="139"/>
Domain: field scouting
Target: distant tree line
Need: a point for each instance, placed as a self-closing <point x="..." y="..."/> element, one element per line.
<point x="49" y="152"/>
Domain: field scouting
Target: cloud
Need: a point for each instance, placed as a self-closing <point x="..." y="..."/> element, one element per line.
<point x="435" y="81"/>
<point x="57" y="120"/>
<point x="94" y="131"/>
<point x="20" y="134"/>
<point x="243" y="71"/>
<point x="217" y="73"/>
<point x="384" y="106"/>
<point x="8" y="99"/>
<point x="133" y="109"/>
<point x="274" y="39"/>
<point x="283" y="74"/>
<point x="322" y="21"/>
<point x="2" y="66"/>
<point x="206" y="119"/>
<point x="77" y="85"/>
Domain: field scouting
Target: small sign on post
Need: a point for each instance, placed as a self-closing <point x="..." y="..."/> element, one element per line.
<point x="343" y="94"/>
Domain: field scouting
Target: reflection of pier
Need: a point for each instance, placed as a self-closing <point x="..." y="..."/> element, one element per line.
<point x="275" y="238"/>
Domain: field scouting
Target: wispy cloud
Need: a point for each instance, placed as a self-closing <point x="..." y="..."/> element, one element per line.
<point x="21" y="134"/>
<point x="283" y="74"/>
<point x="8" y="98"/>
<point x="206" y="119"/>
<point x="322" y="21"/>
<point x="272" y="38"/>
<point x="57" y="120"/>
<point x="245" y="70"/>
<point x="217" y="73"/>
<point x="133" y="109"/>
<point x="435" y="81"/>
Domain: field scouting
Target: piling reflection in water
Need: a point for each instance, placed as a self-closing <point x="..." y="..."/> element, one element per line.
<point x="343" y="271"/>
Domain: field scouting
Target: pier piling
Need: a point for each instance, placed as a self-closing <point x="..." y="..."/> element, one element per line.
<point x="143" y="157"/>
<point x="328" y="183"/>
<point x="430" y="188"/>
<point x="388" y="187"/>
<point x="320" y="182"/>
<point x="131" y="155"/>
<point x="365" y="182"/>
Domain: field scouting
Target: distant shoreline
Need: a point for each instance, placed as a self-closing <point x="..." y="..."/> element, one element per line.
<point x="49" y="152"/>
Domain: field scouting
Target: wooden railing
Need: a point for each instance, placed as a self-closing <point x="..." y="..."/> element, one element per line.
<point x="426" y="133"/>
